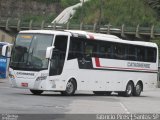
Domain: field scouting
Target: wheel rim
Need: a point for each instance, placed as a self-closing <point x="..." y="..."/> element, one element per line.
<point x="129" y="89"/>
<point x="138" y="89"/>
<point x="70" y="87"/>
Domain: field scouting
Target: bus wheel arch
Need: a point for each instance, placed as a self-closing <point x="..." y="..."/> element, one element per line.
<point x="71" y="87"/>
<point x="138" y="88"/>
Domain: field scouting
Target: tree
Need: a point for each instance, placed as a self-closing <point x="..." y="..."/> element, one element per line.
<point x="155" y="4"/>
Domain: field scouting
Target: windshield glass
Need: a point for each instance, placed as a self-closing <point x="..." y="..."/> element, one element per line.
<point x="29" y="52"/>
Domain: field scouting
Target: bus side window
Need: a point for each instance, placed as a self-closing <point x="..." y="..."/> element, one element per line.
<point x="90" y="49"/>
<point x="140" y="54"/>
<point x="119" y="51"/>
<point x="102" y="52"/>
<point x="151" y="55"/>
<point x="75" y="49"/>
<point x="105" y="50"/>
<point x="131" y="53"/>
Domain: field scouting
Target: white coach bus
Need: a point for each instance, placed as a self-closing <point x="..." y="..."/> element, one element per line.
<point x="66" y="61"/>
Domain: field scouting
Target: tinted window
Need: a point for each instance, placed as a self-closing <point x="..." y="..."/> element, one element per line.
<point x="90" y="49"/>
<point x="105" y="50"/>
<point x="140" y="53"/>
<point x="119" y="51"/>
<point x="131" y="52"/>
<point x="75" y="49"/>
<point x="151" y="55"/>
<point x="58" y="55"/>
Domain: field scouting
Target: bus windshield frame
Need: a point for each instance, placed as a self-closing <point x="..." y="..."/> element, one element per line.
<point x="29" y="51"/>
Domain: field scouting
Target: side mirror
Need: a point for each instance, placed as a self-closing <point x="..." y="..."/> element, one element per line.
<point x="49" y="52"/>
<point x="6" y="50"/>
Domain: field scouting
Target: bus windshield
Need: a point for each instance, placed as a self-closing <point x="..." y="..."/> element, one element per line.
<point x="29" y="52"/>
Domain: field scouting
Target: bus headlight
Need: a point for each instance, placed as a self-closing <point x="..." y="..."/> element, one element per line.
<point x="41" y="78"/>
<point x="11" y="76"/>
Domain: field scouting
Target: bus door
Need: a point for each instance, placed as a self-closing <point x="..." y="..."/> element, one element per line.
<point x="58" y="55"/>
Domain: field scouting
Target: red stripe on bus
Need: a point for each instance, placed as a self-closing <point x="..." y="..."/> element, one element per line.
<point x="91" y="36"/>
<point x="120" y="68"/>
<point x="97" y="62"/>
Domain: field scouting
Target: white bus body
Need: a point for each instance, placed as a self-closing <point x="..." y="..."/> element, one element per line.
<point x="65" y="61"/>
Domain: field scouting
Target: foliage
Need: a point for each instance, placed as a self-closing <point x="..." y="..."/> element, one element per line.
<point x="39" y="18"/>
<point x="116" y="12"/>
<point x="48" y="1"/>
<point x="155" y="4"/>
<point x="66" y="3"/>
<point x="48" y="17"/>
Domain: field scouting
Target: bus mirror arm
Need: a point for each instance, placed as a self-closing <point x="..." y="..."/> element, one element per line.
<point x="6" y="51"/>
<point x="49" y="52"/>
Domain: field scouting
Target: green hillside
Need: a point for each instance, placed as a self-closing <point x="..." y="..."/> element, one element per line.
<point x="64" y="3"/>
<point x="36" y="10"/>
<point x="59" y="5"/>
<point x="117" y="12"/>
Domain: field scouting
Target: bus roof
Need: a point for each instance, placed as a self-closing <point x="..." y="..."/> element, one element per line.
<point x="112" y="38"/>
<point x="90" y="35"/>
<point x="44" y="32"/>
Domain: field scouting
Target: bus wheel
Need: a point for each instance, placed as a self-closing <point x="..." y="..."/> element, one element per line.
<point x="129" y="90"/>
<point x="36" y="92"/>
<point x="138" y="89"/>
<point x="70" y="88"/>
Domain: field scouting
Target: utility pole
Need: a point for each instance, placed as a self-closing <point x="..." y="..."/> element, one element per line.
<point x="82" y="12"/>
<point x="100" y="14"/>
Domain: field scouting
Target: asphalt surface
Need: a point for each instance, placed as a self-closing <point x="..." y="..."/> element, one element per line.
<point x="20" y="101"/>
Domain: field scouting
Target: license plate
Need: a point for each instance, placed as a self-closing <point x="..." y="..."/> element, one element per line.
<point x="24" y="84"/>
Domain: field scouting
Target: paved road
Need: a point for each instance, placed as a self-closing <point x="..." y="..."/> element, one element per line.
<point x="20" y="101"/>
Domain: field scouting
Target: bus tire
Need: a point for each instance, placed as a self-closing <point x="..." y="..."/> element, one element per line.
<point x="70" y="88"/>
<point x="138" y="89"/>
<point x="129" y="89"/>
<point x="36" y="92"/>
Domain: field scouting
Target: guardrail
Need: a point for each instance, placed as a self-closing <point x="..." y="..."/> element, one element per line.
<point x="122" y="30"/>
